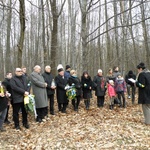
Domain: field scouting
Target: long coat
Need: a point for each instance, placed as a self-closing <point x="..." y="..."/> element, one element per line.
<point x="76" y="82"/>
<point x="48" y="77"/>
<point x="144" y="91"/>
<point x="61" y="82"/>
<point x="100" y="85"/>
<point x="18" y="86"/>
<point x="86" y="84"/>
<point x="39" y="90"/>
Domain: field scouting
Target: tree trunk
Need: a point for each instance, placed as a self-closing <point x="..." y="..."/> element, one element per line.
<point x="22" y="31"/>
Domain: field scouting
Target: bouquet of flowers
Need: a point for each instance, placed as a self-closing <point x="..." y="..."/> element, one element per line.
<point x="71" y="92"/>
<point x="29" y="104"/>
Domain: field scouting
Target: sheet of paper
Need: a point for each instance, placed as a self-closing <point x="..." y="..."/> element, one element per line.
<point x="132" y="80"/>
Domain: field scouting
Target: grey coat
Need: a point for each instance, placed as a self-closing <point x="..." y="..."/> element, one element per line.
<point x="39" y="90"/>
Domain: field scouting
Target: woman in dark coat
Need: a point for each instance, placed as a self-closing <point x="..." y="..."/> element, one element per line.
<point x="100" y="88"/>
<point x="86" y="88"/>
<point x="75" y="81"/>
<point x="61" y="83"/>
<point x="143" y="83"/>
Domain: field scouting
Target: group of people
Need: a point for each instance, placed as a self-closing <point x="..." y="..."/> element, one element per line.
<point x="14" y="88"/>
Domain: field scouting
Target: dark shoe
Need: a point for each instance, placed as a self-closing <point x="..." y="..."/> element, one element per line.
<point x="63" y="111"/>
<point x="26" y="126"/>
<point x="52" y="113"/>
<point x="2" y="129"/>
<point x="17" y="127"/>
<point x="7" y="122"/>
<point x="38" y="120"/>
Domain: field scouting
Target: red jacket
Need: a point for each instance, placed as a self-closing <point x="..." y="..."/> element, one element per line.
<point x="111" y="90"/>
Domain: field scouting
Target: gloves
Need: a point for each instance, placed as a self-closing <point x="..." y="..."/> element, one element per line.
<point x="67" y="87"/>
<point x="85" y="85"/>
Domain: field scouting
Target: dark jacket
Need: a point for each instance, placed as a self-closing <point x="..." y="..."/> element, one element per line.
<point x="60" y="89"/>
<point x="18" y="86"/>
<point x="67" y="74"/>
<point x="143" y="83"/>
<point x="48" y="77"/>
<point x="99" y="85"/>
<point x="86" y="84"/>
<point x="128" y="76"/>
<point x="3" y="103"/>
<point x="7" y="85"/>
<point x="120" y="85"/>
<point x="77" y="83"/>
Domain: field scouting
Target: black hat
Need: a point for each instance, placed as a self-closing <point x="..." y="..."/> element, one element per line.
<point x="67" y="67"/>
<point x="141" y="65"/>
<point x="130" y="72"/>
<point x="61" y="69"/>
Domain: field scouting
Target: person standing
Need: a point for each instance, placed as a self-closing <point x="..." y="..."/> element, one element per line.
<point x="130" y="85"/>
<point x="39" y="90"/>
<point x="61" y="83"/>
<point x="3" y="105"/>
<point x="49" y="79"/>
<point x="6" y="83"/>
<point x="19" y="89"/>
<point x="67" y="72"/>
<point x="75" y="81"/>
<point x="120" y="88"/>
<point x="87" y="85"/>
<point x="143" y="84"/>
<point x="100" y="88"/>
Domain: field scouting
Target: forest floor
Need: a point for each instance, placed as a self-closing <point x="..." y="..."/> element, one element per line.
<point x="95" y="129"/>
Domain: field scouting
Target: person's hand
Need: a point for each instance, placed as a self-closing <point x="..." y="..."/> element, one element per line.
<point x="8" y="94"/>
<point x="26" y="93"/>
<point x="45" y="84"/>
<point x="2" y="94"/>
<point x="53" y="87"/>
<point x="90" y="88"/>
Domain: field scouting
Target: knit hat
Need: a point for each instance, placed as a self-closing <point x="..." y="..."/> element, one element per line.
<point x="67" y="67"/>
<point x="99" y="70"/>
<point x="141" y="65"/>
<point x="60" y="68"/>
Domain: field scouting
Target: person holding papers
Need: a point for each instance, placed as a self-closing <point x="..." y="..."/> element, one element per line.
<point x="143" y="83"/>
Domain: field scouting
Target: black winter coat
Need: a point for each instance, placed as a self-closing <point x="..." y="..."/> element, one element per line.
<point x="3" y="103"/>
<point x="60" y="89"/>
<point x="144" y="92"/>
<point x="100" y="85"/>
<point x="128" y="76"/>
<point x="76" y="81"/>
<point x="7" y="85"/>
<point x="86" y="84"/>
<point x="18" y="86"/>
<point x="48" y="77"/>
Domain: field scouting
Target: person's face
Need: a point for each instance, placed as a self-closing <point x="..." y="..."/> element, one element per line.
<point x="9" y="76"/>
<point x="48" y="69"/>
<point x="19" y="72"/>
<point x="110" y="71"/>
<point x="100" y="73"/>
<point x="139" y="70"/>
<point x="24" y="70"/>
<point x="117" y="69"/>
<point x="61" y="73"/>
<point x="38" y="69"/>
<point x="86" y="75"/>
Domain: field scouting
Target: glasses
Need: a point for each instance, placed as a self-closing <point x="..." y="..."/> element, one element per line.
<point x="19" y="71"/>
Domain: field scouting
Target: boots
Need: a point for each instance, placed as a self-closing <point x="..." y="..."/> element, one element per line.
<point x="111" y="107"/>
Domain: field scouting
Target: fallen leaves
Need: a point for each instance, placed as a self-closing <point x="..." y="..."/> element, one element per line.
<point x="97" y="128"/>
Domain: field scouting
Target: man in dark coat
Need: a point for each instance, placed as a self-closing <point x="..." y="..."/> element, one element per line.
<point x="49" y="79"/>
<point x="130" y="85"/>
<point x="100" y="88"/>
<point x="39" y="90"/>
<point x="143" y="83"/>
<point x="6" y="83"/>
<point x="61" y="83"/>
<point x="19" y="89"/>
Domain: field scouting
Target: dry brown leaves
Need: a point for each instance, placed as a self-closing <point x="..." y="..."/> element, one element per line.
<point x="98" y="128"/>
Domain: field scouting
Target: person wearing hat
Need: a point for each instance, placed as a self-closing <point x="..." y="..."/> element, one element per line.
<point x="67" y="72"/>
<point x="143" y="84"/>
<point x="61" y="83"/>
<point x="100" y="87"/>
